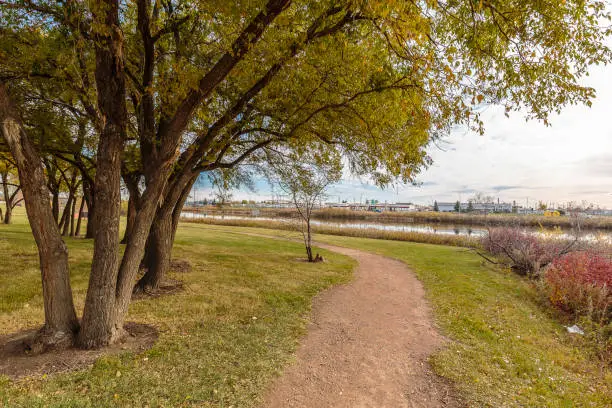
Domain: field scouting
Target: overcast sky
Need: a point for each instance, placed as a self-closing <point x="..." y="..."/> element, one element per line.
<point x="519" y="160"/>
<point x="514" y="160"/>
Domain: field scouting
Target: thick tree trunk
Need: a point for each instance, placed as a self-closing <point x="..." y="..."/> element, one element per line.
<point x="78" y="224"/>
<point x="158" y="253"/>
<point x="111" y="283"/>
<point x="102" y="323"/>
<point x="110" y="289"/>
<point x="60" y="316"/>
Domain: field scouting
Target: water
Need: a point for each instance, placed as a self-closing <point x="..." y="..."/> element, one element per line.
<point x="422" y="228"/>
<point x="442" y="229"/>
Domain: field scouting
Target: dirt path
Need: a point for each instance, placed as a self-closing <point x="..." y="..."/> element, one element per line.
<point x="367" y="345"/>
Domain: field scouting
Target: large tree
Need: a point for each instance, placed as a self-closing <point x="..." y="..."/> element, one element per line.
<point x="377" y="81"/>
<point x="185" y="87"/>
<point x="60" y="316"/>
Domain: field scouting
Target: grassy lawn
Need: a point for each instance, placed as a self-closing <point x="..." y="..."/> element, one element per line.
<point x="221" y="340"/>
<point x="505" y="351"/>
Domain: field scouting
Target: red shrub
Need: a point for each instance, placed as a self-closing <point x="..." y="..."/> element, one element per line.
<point x="580" y="283"/>
<point x="525" y="253"/>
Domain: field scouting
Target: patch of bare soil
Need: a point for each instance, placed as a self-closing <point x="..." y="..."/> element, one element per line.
<point x="16" y="362"/>
<point x="367" y="345"/>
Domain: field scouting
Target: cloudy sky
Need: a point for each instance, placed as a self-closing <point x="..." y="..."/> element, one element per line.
<point x="515" y="160"/>
<point x="519" y="160"/>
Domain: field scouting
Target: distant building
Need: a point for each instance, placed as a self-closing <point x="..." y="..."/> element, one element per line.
<point x="375" y="206"/>
<point x="447" y="207"/>
<point x="276" y="204"/>
<point x="476" y="207"/>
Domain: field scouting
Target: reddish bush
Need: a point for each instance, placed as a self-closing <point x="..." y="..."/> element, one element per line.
<point x="525" y="253"/>
<point x="580" y="283"/>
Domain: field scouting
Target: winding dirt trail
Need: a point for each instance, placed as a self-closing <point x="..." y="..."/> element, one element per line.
<point x="367" y="345"/>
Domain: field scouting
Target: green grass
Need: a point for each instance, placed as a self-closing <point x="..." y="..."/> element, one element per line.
<point x="211" y="351"/>
<point x="504" y="349"/>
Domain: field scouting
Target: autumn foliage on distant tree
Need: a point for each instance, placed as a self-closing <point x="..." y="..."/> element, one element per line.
<point x="153" y="93"/>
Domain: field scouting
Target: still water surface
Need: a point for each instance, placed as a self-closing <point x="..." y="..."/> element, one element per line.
<point x="434" y="228"/>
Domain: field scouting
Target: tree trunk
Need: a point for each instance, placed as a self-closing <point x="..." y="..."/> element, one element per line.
<point x="55" y="205"/>
<point x="78" y="224"/>
<point x="72" y="212"/>
<point x="309" y="241"/>
<point x="64" y="224"/>
<point x="7" y="199"/>
<point x="178" y="208"/>
<point x="158" y="253"/>
<point x="60" y="316"/>
<point x="88" y="195"/>
<point x="110" y="289"/>
<point x="131" y="218"/>
<point x="8" y="214"/>
<point x="102" y="324"/>
<point x="111" y="283"/>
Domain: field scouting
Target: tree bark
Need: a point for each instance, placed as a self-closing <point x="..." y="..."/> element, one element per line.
<point x="110" y="288"/>
<point x="102" y="324"/>
<point x="130" y="218"/>
<point x="72" y="212"/>
<point x="111" y="283"/>
<point x="158" y="252"/>
<point x="308" y="237"/>
<point x="65" y="219"/>
<point x="131" y="183"/>
<point x="8" y="214"/>
<point x="88" y="195"/>
<point x="78" y="224"/>
<point x="7" y="200"/>
<point x="53" y="186"/>
<point x="60" y="317"/>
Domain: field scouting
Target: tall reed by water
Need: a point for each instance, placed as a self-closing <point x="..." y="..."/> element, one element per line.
<point x="492" y="220"/>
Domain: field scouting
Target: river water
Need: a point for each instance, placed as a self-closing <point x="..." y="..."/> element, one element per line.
<point x="433" y="228"/>
<point x="423" y="228"/>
